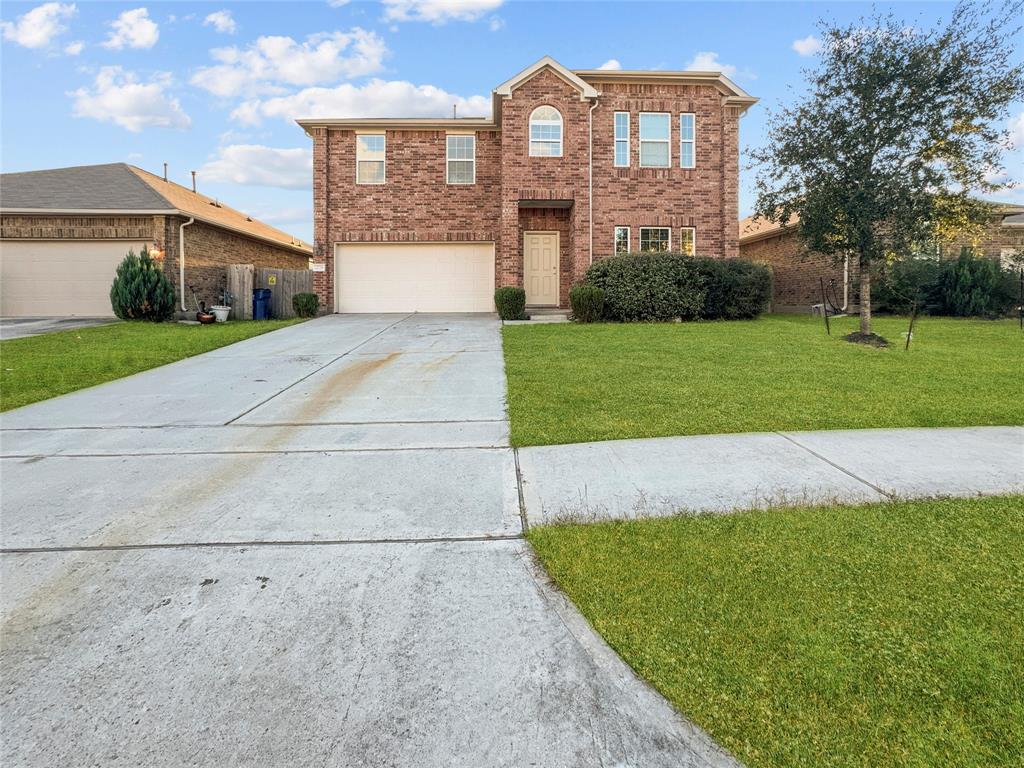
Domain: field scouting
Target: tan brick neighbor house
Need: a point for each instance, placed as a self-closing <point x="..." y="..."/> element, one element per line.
<point x="433" y="214"/>
<point x="64" y="231"/>
<point x="796" y="279"/>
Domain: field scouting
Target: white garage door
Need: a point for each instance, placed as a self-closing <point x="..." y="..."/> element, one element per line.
<point x="414" y="277"/>
<point x="60" y="278"/>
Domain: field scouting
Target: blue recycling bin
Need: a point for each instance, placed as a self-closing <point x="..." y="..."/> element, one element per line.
<point x="260" y="303"/>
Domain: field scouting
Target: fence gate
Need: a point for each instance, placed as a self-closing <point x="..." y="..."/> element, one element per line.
<point x="283" y="285"/>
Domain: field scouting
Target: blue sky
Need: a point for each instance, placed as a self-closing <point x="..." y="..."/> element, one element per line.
<point x="214" y="87"/>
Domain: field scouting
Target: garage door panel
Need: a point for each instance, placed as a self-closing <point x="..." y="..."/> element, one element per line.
<point x="62" y="278"/>
<point x="414" y="277"/>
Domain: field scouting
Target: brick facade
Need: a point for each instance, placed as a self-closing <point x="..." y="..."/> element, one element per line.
<point x="796" y="274"/>
<point x="508" y="199"/>
<point x="208" y="249"/>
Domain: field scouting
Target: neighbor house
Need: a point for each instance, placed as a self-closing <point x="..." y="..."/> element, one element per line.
<point x="572" y="166"/>
<point x="798" y="277"/>
<point x="64" y="231"/>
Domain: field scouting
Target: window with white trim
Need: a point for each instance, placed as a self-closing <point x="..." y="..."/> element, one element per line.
<point x="545" y="132"/>
<point x="621" y="240"/>
<point x="687" y="140"/>
<point x="370" y="148"/>
<point x="655" y="239"/>
<point x="688" y="241"/>
<point x="655" y="128"/>
<point x="622" y="139"/>
<point x="461" y="159"/>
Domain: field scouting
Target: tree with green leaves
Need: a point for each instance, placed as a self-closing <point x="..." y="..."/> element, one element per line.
<point x="900" y="129"/>
<point x="141" y="290"/>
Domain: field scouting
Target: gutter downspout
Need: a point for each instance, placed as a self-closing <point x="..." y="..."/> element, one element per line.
<point x="181" y="261"/>
<point x="590" y="181"/>
<point x="846" y="282"/>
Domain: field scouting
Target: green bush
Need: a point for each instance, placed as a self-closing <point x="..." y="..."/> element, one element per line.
<point x="306" y="304"/>
<point x="511" y="303"/>
<point x="648" y="286"/>
<point x="587" y="302"/>
<point x="735" y="289"/>
<point x="141" y="290"/>
<point x="970" y="286"/>
<point x="976" y="287"/>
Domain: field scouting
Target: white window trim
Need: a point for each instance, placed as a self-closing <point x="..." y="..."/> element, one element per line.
<point x="615" y="240"/>
<point x="692" y="142"/>
<point x="667" y="229"/>
<point x="667" y="142"/>
<point x="693" y="233"/>
<point x="616" y="140"/>
<point x="560" y="122"/>
<point x="384" y="176"/>
<point x="448" y="160"/>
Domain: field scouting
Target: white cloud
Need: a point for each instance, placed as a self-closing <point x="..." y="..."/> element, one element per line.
<point x="496" y="23"/>
<point x="438" y="11"/>
<point x="1016" y="127"/>
<point x="807" y="46"/>
<point x="118" y="97"/>
<point x="75" y="48"/>
<point x="377" y="98"/>
<point x="707" y="61"/>
<point x="133" y="29"/>
<point x="38" y="27"/>
<point x="338" y="3"/>
<point x="255" y="164"/>
<point x="268" y="63"/>
<point x="222" y="21"/>
<point x="611" y="64"/>
<point x="283" y="216"/>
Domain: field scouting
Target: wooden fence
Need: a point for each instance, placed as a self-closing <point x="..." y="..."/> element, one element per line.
<point x="283" y="285"/>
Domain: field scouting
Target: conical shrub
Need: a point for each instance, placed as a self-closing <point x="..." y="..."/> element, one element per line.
<point x="141" y="290"/>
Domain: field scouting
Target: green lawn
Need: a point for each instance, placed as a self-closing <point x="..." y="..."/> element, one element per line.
<point x="40" y="367"/>
<point x="576" y="383"/>
<point x="883" y="635"/>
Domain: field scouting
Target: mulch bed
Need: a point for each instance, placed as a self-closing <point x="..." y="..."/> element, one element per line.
<point x="871" y="339"/>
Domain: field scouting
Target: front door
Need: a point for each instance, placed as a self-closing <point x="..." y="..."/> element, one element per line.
<point x="540" y="268"/>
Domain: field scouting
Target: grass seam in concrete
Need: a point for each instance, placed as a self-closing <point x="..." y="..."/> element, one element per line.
<point x="519" y="490"/>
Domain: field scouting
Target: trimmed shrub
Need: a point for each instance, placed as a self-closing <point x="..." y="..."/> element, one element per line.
<point x="648" y="286"/>
<point x="976" y="287"/>
<point x="511" y="303"/>
<point x="587" y="302"/>
<point x="141" y="290"/>
<point x="735" y="289"/>
<point x="306" y="304"/>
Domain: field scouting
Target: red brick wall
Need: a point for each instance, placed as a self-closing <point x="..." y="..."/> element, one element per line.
<point x="704" y="197"/>
<point x="415" y="204"/>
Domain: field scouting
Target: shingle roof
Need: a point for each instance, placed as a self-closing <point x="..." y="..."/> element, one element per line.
<point x="110" y="187"/>
<point x="125" y="188"/>
<point x="755" y="228"/>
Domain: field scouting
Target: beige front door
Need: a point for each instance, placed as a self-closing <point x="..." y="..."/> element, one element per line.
<point x="540" y="268"/>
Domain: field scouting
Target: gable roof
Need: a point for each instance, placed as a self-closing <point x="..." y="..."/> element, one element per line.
<point x="731" y="93"/>
<point x="123" y="188"/>
<point x="587" y="91"/>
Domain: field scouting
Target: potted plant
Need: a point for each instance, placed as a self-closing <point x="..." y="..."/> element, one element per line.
<point x="222" y="310"/>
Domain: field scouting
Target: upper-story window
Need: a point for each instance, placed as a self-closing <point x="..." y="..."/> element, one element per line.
<point x="654" y="140"/>
<point x="687" y="140"/>
<point x="461" y="159"/>
<point x="370" y="158"/>
<point x="622" y="139"/>
<point x="545" y="132"/>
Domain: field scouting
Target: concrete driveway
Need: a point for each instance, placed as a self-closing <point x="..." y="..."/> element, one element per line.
<point x="302" y="549"/>
<point x="19" y="327"/>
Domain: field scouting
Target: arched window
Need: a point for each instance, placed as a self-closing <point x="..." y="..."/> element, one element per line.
<point x="545" y="132"/>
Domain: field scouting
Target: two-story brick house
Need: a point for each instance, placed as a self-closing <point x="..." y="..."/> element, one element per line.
<point x="434" y="214"/>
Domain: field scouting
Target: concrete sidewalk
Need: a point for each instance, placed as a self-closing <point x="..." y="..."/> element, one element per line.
<point x="717" y="473"/>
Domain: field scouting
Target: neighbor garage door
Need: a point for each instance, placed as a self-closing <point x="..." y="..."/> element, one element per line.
<point x="60" y="278"/>
<point x="414" y="277"/>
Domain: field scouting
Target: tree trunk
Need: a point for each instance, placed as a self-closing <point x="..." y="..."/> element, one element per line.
<point x="865" y="299"/>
